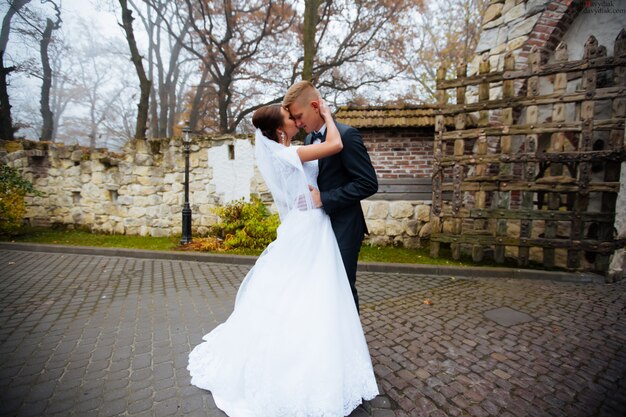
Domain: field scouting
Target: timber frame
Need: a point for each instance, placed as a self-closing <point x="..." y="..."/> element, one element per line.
<point x="537" y="179"/>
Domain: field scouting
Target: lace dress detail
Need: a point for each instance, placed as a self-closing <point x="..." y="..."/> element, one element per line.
<point x="294" y="345"/>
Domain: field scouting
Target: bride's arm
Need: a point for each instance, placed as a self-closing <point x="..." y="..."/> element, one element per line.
<point x="331" y="146"/>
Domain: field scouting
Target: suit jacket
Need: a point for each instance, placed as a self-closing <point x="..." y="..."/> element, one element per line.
<point x="344" y="180"/>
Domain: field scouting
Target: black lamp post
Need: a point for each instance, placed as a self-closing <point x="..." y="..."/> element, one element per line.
<point x="186" y="238"/>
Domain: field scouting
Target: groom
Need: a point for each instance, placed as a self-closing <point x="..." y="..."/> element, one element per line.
<point x="344" y="179"/>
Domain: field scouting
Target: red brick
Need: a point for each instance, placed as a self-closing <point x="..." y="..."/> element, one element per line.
<point x="534" y="42"/>
<point x="543" y="28"/>
<point x="552" y="16"/>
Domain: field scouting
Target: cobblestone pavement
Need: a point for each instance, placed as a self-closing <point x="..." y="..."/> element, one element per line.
<point x="90" y="335"/>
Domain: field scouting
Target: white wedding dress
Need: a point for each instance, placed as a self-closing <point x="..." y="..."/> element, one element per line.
<point x="294" y="345"/>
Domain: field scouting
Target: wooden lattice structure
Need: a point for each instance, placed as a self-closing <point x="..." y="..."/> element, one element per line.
<point x="537" y="179"/>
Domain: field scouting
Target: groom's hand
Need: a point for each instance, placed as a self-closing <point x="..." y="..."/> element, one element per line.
<point x="315" y="196"/>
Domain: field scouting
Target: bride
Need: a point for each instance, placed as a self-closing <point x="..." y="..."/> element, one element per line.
<point x="294" y="345"/>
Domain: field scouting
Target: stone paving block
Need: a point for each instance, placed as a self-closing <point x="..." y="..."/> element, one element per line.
<point x="191" y="403"/>
<point x="167" y="408"/>
<point x="113" y="407"/>
<point x="87" y="406"/>
<point x="360" y="412"/>
<point x="161" y="384"/>
<point x="202" y="413"/>
<point x="165" y="394"/>
<point x="34" y="409"/>
<point x="141" y="394"/>
<point x="149" y="413"/>
<point x="163" y="371"/>
<point x="85" y="350"/>
<point x="138" y="406"/>
<point x="381" y="413"/>
<point x="113" y="394"/>
<point x="10" y="406"/>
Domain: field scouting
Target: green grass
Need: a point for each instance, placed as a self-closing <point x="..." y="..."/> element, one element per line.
<point x="403" y="255"/>
<point x="85" y="238"/>
<point x="367" y="254"/>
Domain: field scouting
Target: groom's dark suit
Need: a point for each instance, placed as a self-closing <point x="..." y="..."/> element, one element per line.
<point x="344" y="180"/>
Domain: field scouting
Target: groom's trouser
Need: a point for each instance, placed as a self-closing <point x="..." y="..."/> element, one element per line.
<point x="350" y="257"/>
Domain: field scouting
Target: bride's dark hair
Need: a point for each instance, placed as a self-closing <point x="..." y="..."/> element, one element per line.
<point x="268" y="119"/>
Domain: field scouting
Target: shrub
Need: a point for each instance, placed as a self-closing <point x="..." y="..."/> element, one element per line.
<point x="206" y="244"/>
<point x="13" y="189"/>
<point x="243" y="225"/>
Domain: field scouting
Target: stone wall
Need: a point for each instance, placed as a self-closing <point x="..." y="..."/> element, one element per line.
<point x="140" y="191"/>
<point x="405" y="223"/>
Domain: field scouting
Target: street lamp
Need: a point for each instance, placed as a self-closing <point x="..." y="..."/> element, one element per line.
<point x="186" y="237"/>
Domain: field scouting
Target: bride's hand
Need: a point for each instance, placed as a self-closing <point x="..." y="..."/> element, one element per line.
<point x="324" y="109"/>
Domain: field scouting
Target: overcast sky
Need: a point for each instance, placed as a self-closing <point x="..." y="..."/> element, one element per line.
<point x="102" y="14"/>
<point x="98" y="17"/>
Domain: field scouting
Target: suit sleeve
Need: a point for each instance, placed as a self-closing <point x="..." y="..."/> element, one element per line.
<point x="357" y="163"/>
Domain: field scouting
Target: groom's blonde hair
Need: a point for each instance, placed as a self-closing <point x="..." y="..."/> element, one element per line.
<point x="301" y="89"/>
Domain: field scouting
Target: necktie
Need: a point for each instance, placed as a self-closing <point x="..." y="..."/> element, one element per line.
<point x="315" y="136"/>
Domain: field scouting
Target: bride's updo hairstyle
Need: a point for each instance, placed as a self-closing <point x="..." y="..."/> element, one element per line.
<point x="268" y="119"/>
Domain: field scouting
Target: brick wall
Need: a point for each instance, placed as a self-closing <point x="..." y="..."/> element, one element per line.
<point x="400" y="152"/>
<point x="551" y="26"/>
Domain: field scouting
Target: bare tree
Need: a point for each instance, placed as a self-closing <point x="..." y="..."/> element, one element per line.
<point x="6" y="122"/>
<point x="36" y="26"/>
<point x="240" y="55"/>
<point x="63" y="90"/>
<point x="120" y="126"/>
<point x="252" y="51"/>
<point x="354" y="42"/>
<point x="93" y="79"/>
<point x="95" y="88"/>
<point x="144" y="82"/>
<point x="236" y="44"/>
<point x="164" y="61"/>
<point x="342" y="46"/>
<point x="445" y="36"/>
<point x="196" y="100"/>
<point x="46" y="38"/>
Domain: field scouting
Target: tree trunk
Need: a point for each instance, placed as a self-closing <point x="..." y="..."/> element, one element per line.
<point x="172" y="80"/>
<point x="46" y="113"/>
<point x="197" y="100"/>
<point x="174" y="102"/>
<point x="309" y="25"/>
<point x="162" y="102"/>
<point x="222" y="111"/>
<point x="154" y="106"/>
<point x="154" y="112"/>
<point x="144" y="83"/>
<point x="164" y="96"/>
<point x="6" y="122"/>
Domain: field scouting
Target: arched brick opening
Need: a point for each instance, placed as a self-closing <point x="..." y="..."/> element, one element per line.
<point x="552" y="25"/>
